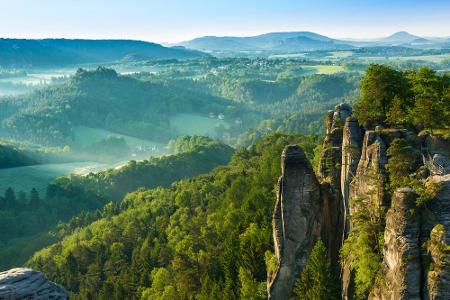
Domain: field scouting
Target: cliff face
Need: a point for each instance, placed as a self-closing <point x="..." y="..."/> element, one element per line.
<point x="296" y="220"/>
<point x="435" y="236"/>
<point x="340" y="137"/>
<point x="352" y="179"/>
<point x="402" y="269"/>
<point x="351" y="154"/>
<point x="28" y="284"/>
<point x="416" y="261"/>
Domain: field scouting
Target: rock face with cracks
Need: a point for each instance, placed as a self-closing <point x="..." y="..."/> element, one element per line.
<point x="21" y="283"/>
<point x="296" y="220"/>
<point x="401" y="263"/>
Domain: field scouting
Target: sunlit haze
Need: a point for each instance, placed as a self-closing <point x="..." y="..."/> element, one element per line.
<point x="179" y="20"/>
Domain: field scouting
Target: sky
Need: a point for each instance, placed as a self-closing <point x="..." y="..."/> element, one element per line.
<point x="179" y="20"/>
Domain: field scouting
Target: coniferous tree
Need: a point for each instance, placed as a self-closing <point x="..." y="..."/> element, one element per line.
<point x="402" y="159"/>
<point x="429" y="105"/>
<point x="316" y="281"/>
<point x="397" y="115"/>
<point x="380" y="85"/>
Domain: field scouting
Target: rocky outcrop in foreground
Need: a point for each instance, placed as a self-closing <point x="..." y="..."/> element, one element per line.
<point x="24" y="283"/>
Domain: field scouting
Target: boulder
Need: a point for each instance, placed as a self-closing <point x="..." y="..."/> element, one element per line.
<point x="22" y="283"/>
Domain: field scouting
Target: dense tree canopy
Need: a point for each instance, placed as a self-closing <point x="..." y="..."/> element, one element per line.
<point x="403" y="98"/>
<point x="204" y="238"/>
<point x="72" y="195"/>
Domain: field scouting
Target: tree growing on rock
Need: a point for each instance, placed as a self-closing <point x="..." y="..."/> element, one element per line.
<point x="402" y="160"/>
<point x="379" y="87"/>
<point x="429" y="105"/>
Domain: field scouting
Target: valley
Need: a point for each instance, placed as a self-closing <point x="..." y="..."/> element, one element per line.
<point x="40" y="176"/>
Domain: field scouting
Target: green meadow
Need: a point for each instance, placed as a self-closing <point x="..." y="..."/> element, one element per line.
<point x="191" y="124"/>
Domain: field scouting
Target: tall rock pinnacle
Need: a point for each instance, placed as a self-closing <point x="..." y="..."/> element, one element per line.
<point x="296" y="220"/>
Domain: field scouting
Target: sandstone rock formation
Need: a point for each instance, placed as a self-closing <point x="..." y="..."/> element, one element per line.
<point x="329" y="166"/>
<point x="351" y="154"/>
<point x="296" y="220"/>
<point x="329" y="173"/>
<point x="435" y="234"/>
<point x="24" y="283"/>
<point x="401" y="263"/>
<point x="368" y="189"/>
<point x="352" y="179"/>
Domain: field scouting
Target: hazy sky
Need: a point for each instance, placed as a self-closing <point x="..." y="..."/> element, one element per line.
<point x="177" y="20"/>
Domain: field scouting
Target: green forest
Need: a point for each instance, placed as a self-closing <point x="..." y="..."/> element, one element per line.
<point x="205" y="238"/>
<point x="87" y="195"/>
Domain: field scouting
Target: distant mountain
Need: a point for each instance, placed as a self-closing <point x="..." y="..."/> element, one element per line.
<point x="60" y="52"/>
<point x="403" y="37"/>
<point x="302" y="41"/>
<point x="275" y="41"/>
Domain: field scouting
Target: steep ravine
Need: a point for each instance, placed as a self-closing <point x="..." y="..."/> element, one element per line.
<point x="352" y="179"/>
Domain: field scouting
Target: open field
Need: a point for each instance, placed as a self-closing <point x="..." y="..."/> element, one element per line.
<point x="86" y="136"/>
<point x="324" y="69"/>
<point x="191" y="124"/>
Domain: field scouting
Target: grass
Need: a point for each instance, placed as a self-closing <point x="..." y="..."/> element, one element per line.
<point x="191" y="124"/>
<point x="427" y="58"/>
<point x="325" y="69"/>
<point x="86" y="136"/>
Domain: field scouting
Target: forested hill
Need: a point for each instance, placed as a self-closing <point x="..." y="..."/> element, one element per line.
<point x="69" y="196"/>
<point x="196" y="155"/>
<point x="104" y="99"/>
<point x="204" y="238"/>
<point x="21" y="53"/>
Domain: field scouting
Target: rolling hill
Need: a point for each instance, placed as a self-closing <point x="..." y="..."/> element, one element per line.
<point x="62" y="52"/>
<point x="103" y="99"/>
